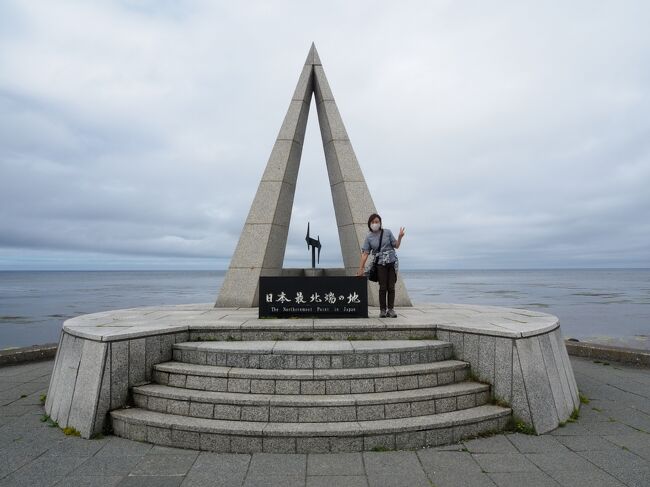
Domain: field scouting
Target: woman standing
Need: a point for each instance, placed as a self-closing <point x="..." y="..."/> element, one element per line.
<point x="387" y="263"/>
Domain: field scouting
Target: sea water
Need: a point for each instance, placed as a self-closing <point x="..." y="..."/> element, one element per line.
<point x="606" y="305"/>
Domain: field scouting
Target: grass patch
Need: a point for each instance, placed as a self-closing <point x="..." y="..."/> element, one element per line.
<point x="583" y="399"/>
<point x="521" y="427"/>
<point x="98" y="436"/>
<point x="23" y="396"/>
<point x="516" y="424"/>
<point x="70" y="431"/>
<point x="483" y="434"/>
<point x="598" y="410"/>
<point x="231" y="338"/>
<point x="43" y="398"/>
<point x="499" y="402"/>
<point x="575" y="414"/>
<point x="50" y="422"/>
<point x="488" y="433"/>
<point x="304" y="339"/>
<point x="380" y="448"/>
<point x="325" y="339"/>
<point x="561" y="424"/>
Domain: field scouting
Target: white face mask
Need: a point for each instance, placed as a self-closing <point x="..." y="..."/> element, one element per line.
<point x="375" y="226"/>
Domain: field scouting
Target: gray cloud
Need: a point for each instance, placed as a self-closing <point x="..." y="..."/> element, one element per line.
<point x="134" y="133"/>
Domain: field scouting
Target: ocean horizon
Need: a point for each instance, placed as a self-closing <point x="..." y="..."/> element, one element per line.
<point x="605" y="305"/>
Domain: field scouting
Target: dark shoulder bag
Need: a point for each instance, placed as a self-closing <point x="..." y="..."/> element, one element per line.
<point x="373" y="275"/>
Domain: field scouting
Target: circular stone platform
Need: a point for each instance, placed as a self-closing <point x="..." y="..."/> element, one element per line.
<point x="146" y="321"/>
<point x="221" y="379"/>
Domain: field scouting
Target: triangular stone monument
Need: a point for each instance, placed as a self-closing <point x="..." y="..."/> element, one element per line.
<point x="262" y="243"/>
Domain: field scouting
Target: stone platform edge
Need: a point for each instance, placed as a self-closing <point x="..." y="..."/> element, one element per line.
<point x="530" y="371"/>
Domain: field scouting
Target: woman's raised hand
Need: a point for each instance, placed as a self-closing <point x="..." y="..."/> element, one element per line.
<point x="402" y="231"/>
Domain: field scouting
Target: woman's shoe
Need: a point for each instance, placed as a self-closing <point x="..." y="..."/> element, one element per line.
<point x="382" y="313"/>
<point x="391" y="313"/>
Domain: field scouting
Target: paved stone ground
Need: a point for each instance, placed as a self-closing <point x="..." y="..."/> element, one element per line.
<point x="608" y="446"/>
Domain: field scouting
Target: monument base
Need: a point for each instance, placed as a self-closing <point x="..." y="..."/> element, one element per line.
<point x="313" y="295"/>
<point x="313" y="272"/>
<point x="222" y="380"/>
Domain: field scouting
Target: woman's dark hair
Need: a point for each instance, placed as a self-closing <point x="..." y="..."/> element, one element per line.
<point x="371" y="218"/>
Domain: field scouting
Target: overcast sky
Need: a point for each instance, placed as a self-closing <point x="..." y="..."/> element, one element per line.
<point x="133" y="134"/>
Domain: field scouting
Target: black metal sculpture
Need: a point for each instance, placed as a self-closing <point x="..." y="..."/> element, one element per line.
<point x="315" y="244"/>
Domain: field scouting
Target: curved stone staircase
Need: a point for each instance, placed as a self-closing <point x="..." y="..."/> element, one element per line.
<point x="309" y="396"/>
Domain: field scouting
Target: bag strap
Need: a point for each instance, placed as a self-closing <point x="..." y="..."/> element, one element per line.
<point x="381" y="235"/>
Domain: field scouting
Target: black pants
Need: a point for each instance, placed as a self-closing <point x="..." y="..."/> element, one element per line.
<point x="387" y="278"/>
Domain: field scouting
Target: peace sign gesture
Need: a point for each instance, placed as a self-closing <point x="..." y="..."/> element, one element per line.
<point x="402" y="231"/>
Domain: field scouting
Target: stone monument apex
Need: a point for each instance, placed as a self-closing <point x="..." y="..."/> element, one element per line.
<point x="262" y="243"/>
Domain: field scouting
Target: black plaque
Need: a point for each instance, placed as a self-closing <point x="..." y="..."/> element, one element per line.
<point x="309" y="297"/>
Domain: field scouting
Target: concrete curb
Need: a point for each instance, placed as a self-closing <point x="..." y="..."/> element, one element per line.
<point x="629" y="356"/>
<point x="28" y="354"/>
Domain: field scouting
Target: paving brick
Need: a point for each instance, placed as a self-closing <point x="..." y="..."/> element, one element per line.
<point x="217" y="469"/>
<point x="460" y="478"/>
<point x="106" y="466"/>
<point x="434" y="461"/>
<point x="590" y="478"/>
<point x="529" y="479"/>
<point x="536" y="444"/>
<point x="504" y="462"/>
<point x="268" y="464"/>
<point x="492" y="444"/>
<point x="164" y="465"/>
<point x="338" y="481"/>
<point x="342" y="464"/>
<point x="394" y="469"/>
<point x="151" y="481"/>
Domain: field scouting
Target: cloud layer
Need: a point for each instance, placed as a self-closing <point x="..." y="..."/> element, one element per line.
<point x="133" y="133"/>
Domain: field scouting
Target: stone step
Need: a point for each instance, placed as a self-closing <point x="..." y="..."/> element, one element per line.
<point x="321" y="329"/>
<point x="252" y="437"/>
<point x="309" y="381"/>
<point x="310" y="408"/>
<point x="334" y="354"/>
